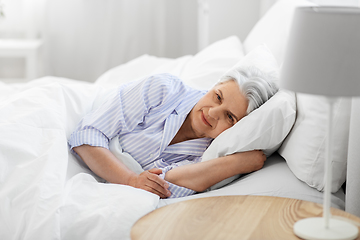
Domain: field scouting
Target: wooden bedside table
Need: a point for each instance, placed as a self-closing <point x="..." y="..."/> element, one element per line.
<point x="229" y="217"/>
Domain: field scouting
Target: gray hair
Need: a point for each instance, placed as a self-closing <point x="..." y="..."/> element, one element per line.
<point x="258" y="86"/>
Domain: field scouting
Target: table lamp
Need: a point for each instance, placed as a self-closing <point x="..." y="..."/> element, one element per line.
<point x="323" y="58"/>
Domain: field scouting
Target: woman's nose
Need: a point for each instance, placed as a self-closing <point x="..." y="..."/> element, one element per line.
<point x="214" y="113"/>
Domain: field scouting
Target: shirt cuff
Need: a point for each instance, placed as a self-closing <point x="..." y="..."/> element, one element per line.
<point x="92" y="137"/>
<point x="176" y="191"/>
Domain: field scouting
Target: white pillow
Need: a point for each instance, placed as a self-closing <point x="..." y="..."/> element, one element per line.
<point x="273" y="28"/>
<point x="205" y="68"/>
<point x="265" y="128"/>
<point x="200" y="71"/>
<point x="304" y="148"/>
<point x="134" y="69"/>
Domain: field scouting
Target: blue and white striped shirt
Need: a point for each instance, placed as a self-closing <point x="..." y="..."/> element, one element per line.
<point x="146" y="114"/>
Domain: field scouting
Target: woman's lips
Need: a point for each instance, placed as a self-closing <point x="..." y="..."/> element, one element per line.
<point x="203" y="118"/>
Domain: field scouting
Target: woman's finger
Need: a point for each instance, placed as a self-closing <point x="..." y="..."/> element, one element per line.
<point x="155" y="178"/>
<point x="153" y="182"/>
<point x="155" y="171"/>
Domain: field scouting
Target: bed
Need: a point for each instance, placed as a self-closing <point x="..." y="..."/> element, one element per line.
<point x="47" y="193"/>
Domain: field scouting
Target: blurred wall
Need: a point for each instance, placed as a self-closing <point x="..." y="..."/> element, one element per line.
<point x="122" y="31"/>
<point x="84" y="38"/>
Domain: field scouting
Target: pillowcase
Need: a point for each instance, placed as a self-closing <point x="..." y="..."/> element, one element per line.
<point x="134" y="69"/>
<point x="200" y="71"/>
<point x="265" y="128"/>
<point x="273" y="28"/>
<point x="204" y="69"/>
<point x="305" y="147"/>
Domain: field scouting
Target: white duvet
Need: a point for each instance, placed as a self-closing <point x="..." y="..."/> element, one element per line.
<point x="40" y="198"/>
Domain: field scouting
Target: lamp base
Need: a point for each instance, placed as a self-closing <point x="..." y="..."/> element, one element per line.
<point x="314" y="228"/>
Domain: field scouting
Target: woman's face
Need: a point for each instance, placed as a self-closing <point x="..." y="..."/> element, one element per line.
<point x="219" y="109"/>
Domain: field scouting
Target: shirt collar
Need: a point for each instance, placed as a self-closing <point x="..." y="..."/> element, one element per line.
<point x="194" y="147"/>
<point x="172" y="125"/>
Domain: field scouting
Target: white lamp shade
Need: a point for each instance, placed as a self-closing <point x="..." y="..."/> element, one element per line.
<point x="323" y="52"/>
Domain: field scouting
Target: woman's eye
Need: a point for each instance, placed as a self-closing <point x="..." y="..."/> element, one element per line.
<point x="218" y="97"/>
<point x="231" y="118"/>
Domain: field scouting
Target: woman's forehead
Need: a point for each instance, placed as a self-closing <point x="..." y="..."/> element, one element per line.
<point x="229" y="85"/>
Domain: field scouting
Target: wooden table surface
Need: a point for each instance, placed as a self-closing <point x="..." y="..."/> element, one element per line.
<point x="229" y="217"/>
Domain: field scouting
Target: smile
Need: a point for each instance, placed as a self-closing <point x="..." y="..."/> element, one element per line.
<point x="204" y="119"/>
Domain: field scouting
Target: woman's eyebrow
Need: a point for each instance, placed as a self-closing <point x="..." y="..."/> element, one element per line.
<point x="221" y="94"/>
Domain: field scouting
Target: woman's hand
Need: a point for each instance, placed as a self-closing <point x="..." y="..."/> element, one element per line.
<point x="151" y="182"/>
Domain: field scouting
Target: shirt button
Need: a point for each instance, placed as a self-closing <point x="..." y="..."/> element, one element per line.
<point x="151" y="155"/>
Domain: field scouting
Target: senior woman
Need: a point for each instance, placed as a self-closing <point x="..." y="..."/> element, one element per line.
<point x="166" y="126"/>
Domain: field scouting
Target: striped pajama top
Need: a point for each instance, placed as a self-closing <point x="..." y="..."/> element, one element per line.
<point x="146" y="114"/>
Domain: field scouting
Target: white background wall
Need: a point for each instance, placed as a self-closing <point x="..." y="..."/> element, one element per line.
<point x="84" y="38"/>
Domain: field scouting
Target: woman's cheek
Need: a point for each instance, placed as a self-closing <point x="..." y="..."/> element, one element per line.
<point x="221" y="128"/>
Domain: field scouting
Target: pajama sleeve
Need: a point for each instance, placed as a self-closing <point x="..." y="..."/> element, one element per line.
<point x="100" y="125"/>
<point x="178" y="191"/>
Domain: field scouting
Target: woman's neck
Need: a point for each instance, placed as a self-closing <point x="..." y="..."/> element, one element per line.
<point x="185" y="132"/>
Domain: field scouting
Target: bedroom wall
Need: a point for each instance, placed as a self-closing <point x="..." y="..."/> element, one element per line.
<point x="84" y="38"/>
<point x="164" y="28"/>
